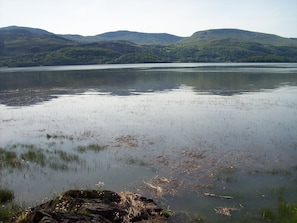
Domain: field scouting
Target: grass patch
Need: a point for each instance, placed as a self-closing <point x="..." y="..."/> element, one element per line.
<point x="226" y="174"/>
<point x="9" y="159"/>
<point x="267" y="214"/>
<point x="279" y="171"/>
<point x="20" y="156"/>
<point x="285" y="213"/>
<point x="58" y="166"/>
<point x="55" y="136"/>
<point x="67" y="157"/>
<point x="6" y="195"/>
<point x="135" y="161"/>
<point x="8" y="209"/>
<point x="92" y="147"/>
<point x="34" y="155"/>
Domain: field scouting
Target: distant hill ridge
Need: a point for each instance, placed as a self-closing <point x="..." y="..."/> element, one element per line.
<point x="136" y="37"/>
<point x="31" y="30"/>
<point x="24" y="46"/>
<point x="165" y="38"/>
<point x="242" y="35"/>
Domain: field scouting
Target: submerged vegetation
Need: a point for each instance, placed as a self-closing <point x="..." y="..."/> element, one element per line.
<point x="8" y="208"/>
<point x="207" y="155"/>
<point x="92" y="147"/>
<point x="18" y="157"/>
<point x="26" y="156"/>
<point x="285" y="213"/>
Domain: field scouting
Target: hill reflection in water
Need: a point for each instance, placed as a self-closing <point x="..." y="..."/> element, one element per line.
<point x="21" y="88"/>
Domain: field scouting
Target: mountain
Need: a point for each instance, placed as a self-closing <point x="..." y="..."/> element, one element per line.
<point x="25" y="29"/>
<point x="21" y="46"/>
<point x="15" y="40"/>
<point x="135" y="37"/>
<point x="83" y="39"/>
<point x="241" y="35"/>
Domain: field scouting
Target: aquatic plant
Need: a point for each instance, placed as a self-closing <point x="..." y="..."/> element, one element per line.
<point x="67" y="157"/>
<point x="136" y="161"/>
<point x="34" y="155"/>
<point x="267" y="214"/>
<point x="285" y="213"/>
<point x="19" y="156"/>
<point x="8" y="209"/>
<point x="55" y="136"/>
<point x="91" y="147"/>
<point x="6" y="195"/>
<point x="9" y="159"/>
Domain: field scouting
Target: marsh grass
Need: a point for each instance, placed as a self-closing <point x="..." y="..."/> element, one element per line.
<point x="6" y="195"/>
<point x="279" y="171"/>
<point x="9" y="159"/>
<point x="55" y="136"/>
<point x="66" y="156"/>
<point x="58" y="166"/>
<point x="136" y="161"/>
<point x="8" y="209"/>
<point x="21" y="156"/>
<point x="92" y="147"/>
<point x="226" y="175"/>
<point x="285" y="213"/>
<point x="34" y="155"/>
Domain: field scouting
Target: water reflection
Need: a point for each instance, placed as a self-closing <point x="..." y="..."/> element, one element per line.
<point x="28" y="88"/>
<point x="192" y="131"/>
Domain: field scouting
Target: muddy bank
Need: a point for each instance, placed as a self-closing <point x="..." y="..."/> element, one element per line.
<point x="95" y="206"/>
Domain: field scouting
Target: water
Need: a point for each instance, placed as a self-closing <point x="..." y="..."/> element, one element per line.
<point x="191" y="129"/>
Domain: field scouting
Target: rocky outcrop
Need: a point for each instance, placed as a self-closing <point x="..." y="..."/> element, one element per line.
<point x="94" y="206"/>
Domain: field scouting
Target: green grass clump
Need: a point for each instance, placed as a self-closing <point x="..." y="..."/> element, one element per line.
<point x="166" y="213"/>
<point x="54" y="136"/>
<point x="267" y="214"/>
<point x="9" y="159"/>
<point x="6" y="195"/>
<point x="91" y="147"/>
<point x="5" y="214"/>
<point x="67" y="157"/>
<point x="34" y="156"/>
<point x="8" y="209"/>
<point x="286" y="213"/>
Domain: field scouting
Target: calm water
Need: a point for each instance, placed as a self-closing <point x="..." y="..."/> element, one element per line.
<point x="189" y="129"/>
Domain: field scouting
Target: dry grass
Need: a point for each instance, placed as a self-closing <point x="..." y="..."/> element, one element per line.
<point x="226" y="211"/>
<point x="134" y="206"/>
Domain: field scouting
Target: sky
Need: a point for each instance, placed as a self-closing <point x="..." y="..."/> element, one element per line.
<point x="177" y="17"/>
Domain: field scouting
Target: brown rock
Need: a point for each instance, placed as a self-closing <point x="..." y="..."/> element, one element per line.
<point x="94" y="206"/>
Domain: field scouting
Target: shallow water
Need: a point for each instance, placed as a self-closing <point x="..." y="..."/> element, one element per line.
<point x="225" y="129"/>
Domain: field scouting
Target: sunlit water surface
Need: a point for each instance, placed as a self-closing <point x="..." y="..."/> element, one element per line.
<point x="190" y="129"/>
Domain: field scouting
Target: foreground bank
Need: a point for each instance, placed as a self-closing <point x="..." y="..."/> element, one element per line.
<point x="95" y="206"/>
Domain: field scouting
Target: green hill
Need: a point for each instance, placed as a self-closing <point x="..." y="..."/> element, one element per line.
<point x="233" y="50"/>
<point x="135" y="37"/>
<point x="21" y="46"/>
<point x="241" y="35"/>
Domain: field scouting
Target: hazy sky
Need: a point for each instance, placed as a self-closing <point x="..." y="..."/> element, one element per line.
<point x="178" y="17"/>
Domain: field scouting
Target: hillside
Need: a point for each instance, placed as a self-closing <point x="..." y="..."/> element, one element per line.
<point x="135" y="37"/>
<point x="241" y="35"/>
<point x="21" y="46"/>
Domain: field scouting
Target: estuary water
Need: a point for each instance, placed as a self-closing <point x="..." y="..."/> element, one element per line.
<point x="194" y="137"/>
